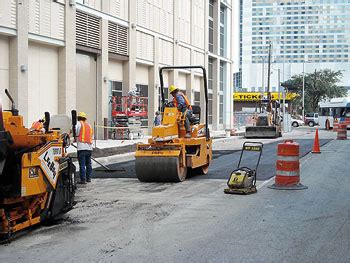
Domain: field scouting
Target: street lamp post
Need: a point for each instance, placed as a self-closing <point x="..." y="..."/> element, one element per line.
<point x="303" y="102"/>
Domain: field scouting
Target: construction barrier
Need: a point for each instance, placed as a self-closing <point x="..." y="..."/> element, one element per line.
<point x="335" y="125"/>
<point x="342" y="131"/>
<point x="287" y="167"/>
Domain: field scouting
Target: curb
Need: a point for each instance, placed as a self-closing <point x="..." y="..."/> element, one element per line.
<point x="118" y="158"/>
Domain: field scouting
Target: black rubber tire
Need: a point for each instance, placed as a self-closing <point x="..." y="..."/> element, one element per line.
<point x="327" y="125"/>
<point x="311" y="124"/>
<point x="159" y="169"/>
<point x="295" y="124"/>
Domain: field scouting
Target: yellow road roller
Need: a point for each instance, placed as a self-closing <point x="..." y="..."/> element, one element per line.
<point x="169" y="154"/>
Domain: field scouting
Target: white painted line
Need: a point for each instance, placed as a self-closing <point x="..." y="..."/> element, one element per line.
<point x="265" y="182"/>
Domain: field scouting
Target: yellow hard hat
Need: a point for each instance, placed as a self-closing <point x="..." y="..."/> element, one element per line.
<point x="82" y="114"/>
<point x="172" y="88"/>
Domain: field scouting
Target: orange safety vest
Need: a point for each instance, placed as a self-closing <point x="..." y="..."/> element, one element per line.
<point x="37" y="126"/>
<point x="86" y="133"/>
<point x="188" y="104"/>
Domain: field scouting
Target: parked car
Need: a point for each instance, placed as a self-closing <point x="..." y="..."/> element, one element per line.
<point x="296" y="122"/>
<point x="311" y="119"/>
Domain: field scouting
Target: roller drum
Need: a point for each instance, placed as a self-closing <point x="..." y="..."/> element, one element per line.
<point x="159" y="169"/>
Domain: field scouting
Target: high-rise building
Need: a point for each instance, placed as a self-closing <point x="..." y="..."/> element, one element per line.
<point x="309" y="34"/>
<point x="74" y="54"/>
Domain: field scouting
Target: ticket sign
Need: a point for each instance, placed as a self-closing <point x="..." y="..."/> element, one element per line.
<point x="256" y="96"/>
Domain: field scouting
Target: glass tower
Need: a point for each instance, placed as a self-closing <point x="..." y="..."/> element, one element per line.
<point x="316" y="32"/>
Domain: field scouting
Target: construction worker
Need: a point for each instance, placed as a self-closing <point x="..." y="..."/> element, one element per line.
<point x="84" y="133"/>
<point x="157" y="119"/>
<point x="38" y="126"/>
<point x="182" y="103"/>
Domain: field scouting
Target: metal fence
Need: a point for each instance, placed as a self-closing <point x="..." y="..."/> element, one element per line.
<point x="242" y="119"/>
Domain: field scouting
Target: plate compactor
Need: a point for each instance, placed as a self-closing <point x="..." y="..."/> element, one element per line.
<point x="168" y="155"/>
<point x="36" y="175"/>
<point x="243" y="179"/>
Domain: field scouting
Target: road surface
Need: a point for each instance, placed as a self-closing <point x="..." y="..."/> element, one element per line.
<point x="123" y="220"/>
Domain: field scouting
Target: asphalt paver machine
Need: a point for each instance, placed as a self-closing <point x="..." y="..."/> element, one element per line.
<point x="169" y="156"/>
<point x="36" y="174"/>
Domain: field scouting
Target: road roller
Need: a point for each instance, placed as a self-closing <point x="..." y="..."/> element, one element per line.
<point x="36" y="174"/>
<point x="169" y="155"/>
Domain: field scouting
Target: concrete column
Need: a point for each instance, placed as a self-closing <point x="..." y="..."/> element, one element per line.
<point x="153" y="86"/>
<point x="105" y="6"/>
<point x="102" y="76"/>
<point x="129" y="69"/>
<point x="67" y="97"/>
<point x="190" y="79"/>
<point x="19" y="61"/>
<point x="190" y="86"/>
<point x="202" y="101"/>
<point x="216" y="79"/>
<point x="216" y="27"/>
<point x="228" y="97"/>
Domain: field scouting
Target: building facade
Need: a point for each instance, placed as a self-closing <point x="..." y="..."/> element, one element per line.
<point x="59" y="55"/>
<point x="309" y="34"/>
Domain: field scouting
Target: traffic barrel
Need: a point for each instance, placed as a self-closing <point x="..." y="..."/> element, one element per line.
<point x="342" y="131"/>
<point x="288" y="167"/>
<point x="335" y="125"/>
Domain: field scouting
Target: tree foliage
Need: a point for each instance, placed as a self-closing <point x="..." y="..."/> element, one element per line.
<point x="319" y="85"/>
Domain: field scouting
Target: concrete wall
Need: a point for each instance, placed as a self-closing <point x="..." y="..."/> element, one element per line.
<point x="86" y="85"/>
<point x="115" y="70"/>
<point x="42" y="80"/>
<point x="159" y="33"/>
<point x="4" y="70"/>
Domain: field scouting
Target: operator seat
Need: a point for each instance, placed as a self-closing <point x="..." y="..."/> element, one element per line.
<point x="196" y="116"/>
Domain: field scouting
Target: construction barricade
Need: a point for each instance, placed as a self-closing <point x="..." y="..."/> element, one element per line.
<point x="342" y="131"/>
<point x="288" y="167"/>
<point x="335" y="125"/>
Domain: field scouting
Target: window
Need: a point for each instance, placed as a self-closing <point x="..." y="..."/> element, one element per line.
<point x="210" y="108"/>
<point x="222" y="31"/>
<point x="210" y="73"/>
<point x="166" y="97"/>
<point x="116" y="90"/>
<point x="197" y="98"/>
<point x="222" y="75"/>
<point x="211" y="25"/>
<point x="221" y="109"/>
<point x="211" y="35"/>
<point x="142" y="91"/>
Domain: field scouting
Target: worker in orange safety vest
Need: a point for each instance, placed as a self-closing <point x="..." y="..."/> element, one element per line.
<point x="38" y="125"/>
<point x="84" y="133"/>
<point x="182" y="103"/>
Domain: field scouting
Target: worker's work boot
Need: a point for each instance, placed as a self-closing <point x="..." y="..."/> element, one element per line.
<point x="188" y="135"/>
<point x="82" y="182"/>
<point x="88" y="180"/>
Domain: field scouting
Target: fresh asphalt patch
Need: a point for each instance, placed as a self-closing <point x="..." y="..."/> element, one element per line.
<point x="222" y="167"/>
<point x="224" y="162"/>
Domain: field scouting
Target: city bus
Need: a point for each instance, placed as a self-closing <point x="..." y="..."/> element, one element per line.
<point x="336" y="108"/>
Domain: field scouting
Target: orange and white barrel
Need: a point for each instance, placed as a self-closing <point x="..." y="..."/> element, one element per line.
<point x="342" y="131"/>
<point x="288" y="167"/>
<point x="335" y="125"/>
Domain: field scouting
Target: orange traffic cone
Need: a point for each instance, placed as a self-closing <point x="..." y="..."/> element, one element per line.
<point x="316" y="147"/>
